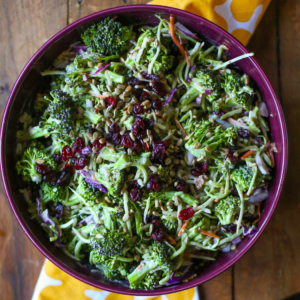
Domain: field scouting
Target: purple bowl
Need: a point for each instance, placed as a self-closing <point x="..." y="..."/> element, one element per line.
<point x="27" y="84"/>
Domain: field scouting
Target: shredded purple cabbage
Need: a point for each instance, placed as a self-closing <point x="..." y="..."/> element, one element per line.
<point x="101" y="69"/>
<point x="192" y="70"/>
<point x="86" y="150"/>
<point x="91" y="181"/>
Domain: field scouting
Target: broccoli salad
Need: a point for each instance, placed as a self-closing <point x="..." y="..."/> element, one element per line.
<point x="146" y="154"/>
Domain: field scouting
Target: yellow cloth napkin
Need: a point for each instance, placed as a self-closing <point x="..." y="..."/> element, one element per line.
<point x="238" y="17"/>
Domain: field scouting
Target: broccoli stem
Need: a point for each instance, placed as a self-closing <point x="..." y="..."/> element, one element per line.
<point x="241" y="208"/>
<point x="126" y="209"/>
<point x="184" y="242"/>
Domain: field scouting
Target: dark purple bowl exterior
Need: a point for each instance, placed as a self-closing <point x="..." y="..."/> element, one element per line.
<point x="27" y="84"/>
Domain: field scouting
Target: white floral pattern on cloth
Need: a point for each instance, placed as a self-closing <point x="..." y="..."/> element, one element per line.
<point x="54" y="284"/>
<point x="238" y="17"/>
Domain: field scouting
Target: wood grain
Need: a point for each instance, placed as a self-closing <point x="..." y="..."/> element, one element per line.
<point x="271" y="269"/>
<point x="24" y="27"/>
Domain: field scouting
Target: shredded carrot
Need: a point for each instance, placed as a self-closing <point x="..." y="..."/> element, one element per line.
<point x="271" y="156"/>
<point x="206" y="117"/>
<point x="208" y="233"/>
<point x="171" y="240"/>
<point x="180" y="127"/>
<point x="217" y="200"/>
<point x="185" y="225"/>
<point x="177" y="43"/>
<point x="258" y="211"/>
<point x="247" y="154"/>
<point x="187" y="255"/>
<point x="139" y="267"/>
<point x="100" y="96"/>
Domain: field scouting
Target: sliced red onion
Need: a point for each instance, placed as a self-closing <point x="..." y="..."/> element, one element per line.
<point x="263" y="109"/>
<point x="101" y="69"/>
<point x="45" y="218"/>
<point x="227" y="248"/>
<point x="236" y="240"/>
<point x="79" y="48"/>
<point x="192" y="70"/>
<point x="85" y="77"/>
<point x="187" y="274"/>
<point x="38" y="206"/>
<point x="186" y="31"/>
<point x="88" y="103"/>
<point x="91" y="181"/>
<point x="86" y="150"/>
<point x="199" y="99"/>
<point x="258" y="196"/>
<point x="191" y="157"/>
<point x="207" y="91"/>
<point x="87" y="221"/>
<point x="249" y="231"/>
<point x="224" y="124"/>
<point x="273" y="147"/>
<point x="261" y="165"/>
<point x="170" y="97"/>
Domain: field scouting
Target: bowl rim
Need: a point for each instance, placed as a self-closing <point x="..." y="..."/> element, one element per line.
<point x="76" y="274"/>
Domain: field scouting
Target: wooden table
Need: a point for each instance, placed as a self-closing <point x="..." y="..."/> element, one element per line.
<point x="271" y="269"/>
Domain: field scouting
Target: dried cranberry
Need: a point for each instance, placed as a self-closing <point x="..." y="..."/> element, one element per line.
<point x="181" y="186"/>
<point x="97" y="144"/>
<point x="158" y="233"/>
<point x="66" y="153"/>
<point x="156" y="104"/>
<point x="231" y="157"/>
<point x="136" y="93"/>
<point x="80" y="163"/>
<point x="151" y="77"/>
<point x="114" y="128"/>
<point x="259" y="140"/>
<point x="58" y="210"/>
<point x="150" y="218"/>
<point x="186" y="214"/>
<point x="50" y="177"/>
<point x="232" y="148"/>
<point x="43" y="169"/>
<point x="64" y="179"/>
<point x="110" y="101"/>
<point x="126" y="141"/>
<point x="200" y="168"/>
<point x="138" y="125"/>
<point x="135" y="194"/>
<point x="134" y="81"/>
<point x="137" y="147"/>
<point x="144" y="96"/>
<point x="158" y="151"/>
<point x="229" y="228"/>
<point x="57" y="158"/>
<point x="154" y="184"/>
<point x="244" y="133"/>
<point x="159" y="88"/>
<point x="219" y="113"/>
<point x="138" y="109"/>
<point x="77" y="145"/>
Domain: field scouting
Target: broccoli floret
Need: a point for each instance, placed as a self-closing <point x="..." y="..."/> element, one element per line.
<point x="226" y="209"/>
<point x="110" y="243"/>
<point x="108" y="37"/>
<point x="170" y="225"/>
<point x="113" y="182"/>
<point x="238" y="90"/>
<point x="158" y="256"/>
<point x="243" y="176"/>
<point x="110" y="267"/>
<point x="149" y="282"/>
<point x="30" y="159"/>
<point x="199" y="141"/>
<point x="52" y="192"/>
<point x="204" y="223"/>
<point x="58" y="82"/>
<point x="209" y="81"/>
<point x="87" y="191"/>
